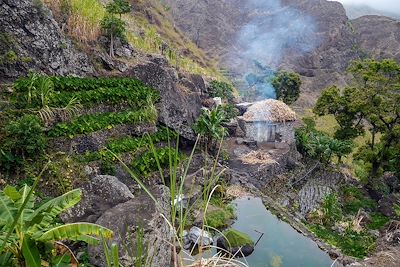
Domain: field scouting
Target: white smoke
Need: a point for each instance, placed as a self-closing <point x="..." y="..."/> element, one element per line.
<point x="271" y="31"/>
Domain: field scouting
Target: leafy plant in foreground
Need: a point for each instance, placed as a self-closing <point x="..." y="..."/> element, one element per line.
<point x="26" y="229"/>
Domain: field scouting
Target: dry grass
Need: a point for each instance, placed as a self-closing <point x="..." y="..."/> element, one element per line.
<point x="257" y="157"/>
<point x="82" y="17"/>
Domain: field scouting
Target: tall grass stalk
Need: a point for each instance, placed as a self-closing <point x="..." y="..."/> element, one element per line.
<point x="179" y="214"/>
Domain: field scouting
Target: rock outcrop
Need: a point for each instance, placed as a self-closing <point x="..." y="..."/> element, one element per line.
<point x="100" y="194"/>
<point x="129" y="219"/>
<point x="31" y="39"/>
<point x="180" y="104"/>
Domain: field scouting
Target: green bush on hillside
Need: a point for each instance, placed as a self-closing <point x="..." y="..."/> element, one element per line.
<point x="24" y="138"/>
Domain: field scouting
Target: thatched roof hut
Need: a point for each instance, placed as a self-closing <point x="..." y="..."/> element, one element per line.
<point x="268" y="121"/>
<point x="269" y="110"/>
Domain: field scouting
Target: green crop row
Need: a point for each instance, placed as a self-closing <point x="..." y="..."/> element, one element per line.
<point x="36" y="91"/>
<point x="91" y="123"/>
<point x="73" y="84"/>
<point x="146" y="163"/>
<point x="127" y="144"/>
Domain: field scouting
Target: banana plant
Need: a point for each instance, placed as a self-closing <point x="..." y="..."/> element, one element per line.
<point x="209" y="125"/>
<point x="25" y="229"/>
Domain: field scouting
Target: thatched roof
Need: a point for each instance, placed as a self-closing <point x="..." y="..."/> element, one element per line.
<point x="269" y="110"/>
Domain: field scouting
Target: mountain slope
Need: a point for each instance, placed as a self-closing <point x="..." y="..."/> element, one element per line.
<point x="315" y="37"/>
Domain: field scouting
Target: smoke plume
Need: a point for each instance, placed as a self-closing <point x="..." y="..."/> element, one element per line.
<point x="272" y="31"/>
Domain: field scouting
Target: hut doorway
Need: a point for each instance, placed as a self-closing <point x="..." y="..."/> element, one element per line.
<point x="271" y="133"/>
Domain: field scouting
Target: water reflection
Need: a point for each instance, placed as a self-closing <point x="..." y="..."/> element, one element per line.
<point x="281" y="245"/>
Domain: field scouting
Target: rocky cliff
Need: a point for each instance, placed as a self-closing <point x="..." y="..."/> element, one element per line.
<point x="336" y="39"/>
<point x="30" y="38"/>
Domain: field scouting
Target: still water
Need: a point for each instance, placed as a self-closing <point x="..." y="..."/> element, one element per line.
<point x="281" y="245"/>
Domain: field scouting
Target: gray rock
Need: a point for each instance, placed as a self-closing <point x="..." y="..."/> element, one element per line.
<point x="126" y="218"/>
<point x="178" y="108"/>
<point x="100" y="194"/>
<point x="197" y="236"/>
<point x="35" y="36"/>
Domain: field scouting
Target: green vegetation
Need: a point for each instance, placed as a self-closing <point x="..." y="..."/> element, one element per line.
<point x="355" y="199"/>
<point x="331" y="209"/>
<point x="28" y="231"/>
<point x="236" y="238"/>
<point x="24" y="139"/>
<point x="221" y="89"/>
<point x="38" y="91"/>
<point x="115" y="27"/>
<point x="342" y="222"/>
<point x="209" y="126"/>
<point x="90" y="123"/>
<point x="287" y="86"/>
<point x="129" y="144"/>
<point x="318" y="145"/>
<point x="118" y="7"/>
<point x="351" y="243"/>
<point x="371" y="105"/>
<point x="219" y="217"/>
<point x="151" y="161"/>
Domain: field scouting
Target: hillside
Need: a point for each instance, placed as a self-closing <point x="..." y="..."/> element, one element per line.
<point x="355" y="11"/>
<point x="328" y="40"/>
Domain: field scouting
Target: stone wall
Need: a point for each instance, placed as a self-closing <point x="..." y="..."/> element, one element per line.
<point x="269" y="132"/>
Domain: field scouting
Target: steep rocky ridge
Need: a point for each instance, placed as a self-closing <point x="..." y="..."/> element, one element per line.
<point x="340" y="40"/>
<point x="32" y="39"/>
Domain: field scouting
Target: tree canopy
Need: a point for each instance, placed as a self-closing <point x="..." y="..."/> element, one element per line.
<point x="287" y="86"/>
<point x="370" y="103"/>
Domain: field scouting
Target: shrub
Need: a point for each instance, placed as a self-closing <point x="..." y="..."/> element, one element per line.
<point x="221" y="89"/>
<point x="209" y="125"/>
<point x="320" y="146"/>
<point x="25" y="137"/>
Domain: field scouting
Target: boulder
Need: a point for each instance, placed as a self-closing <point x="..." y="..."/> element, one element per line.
<point x="127" y="218"/>
<point x="197" y="236"/>
<point x="100" y="194"/>
<point x="386" y="205"/>
<point x="235" y="243"/>
<point x="179" y="106"/>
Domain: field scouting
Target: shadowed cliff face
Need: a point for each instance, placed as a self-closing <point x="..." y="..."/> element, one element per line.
<point x="317" y="39"/>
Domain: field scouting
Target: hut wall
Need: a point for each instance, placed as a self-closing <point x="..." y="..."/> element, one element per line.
<point x="269" y="132"/>
<point x="285" y="132"/>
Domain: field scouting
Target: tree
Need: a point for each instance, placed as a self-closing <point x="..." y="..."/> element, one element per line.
<point x="370" y="104"/>
<point x="113" y="27"/>
<point x="118" y="7"/>
<point x="287" y="86"/>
